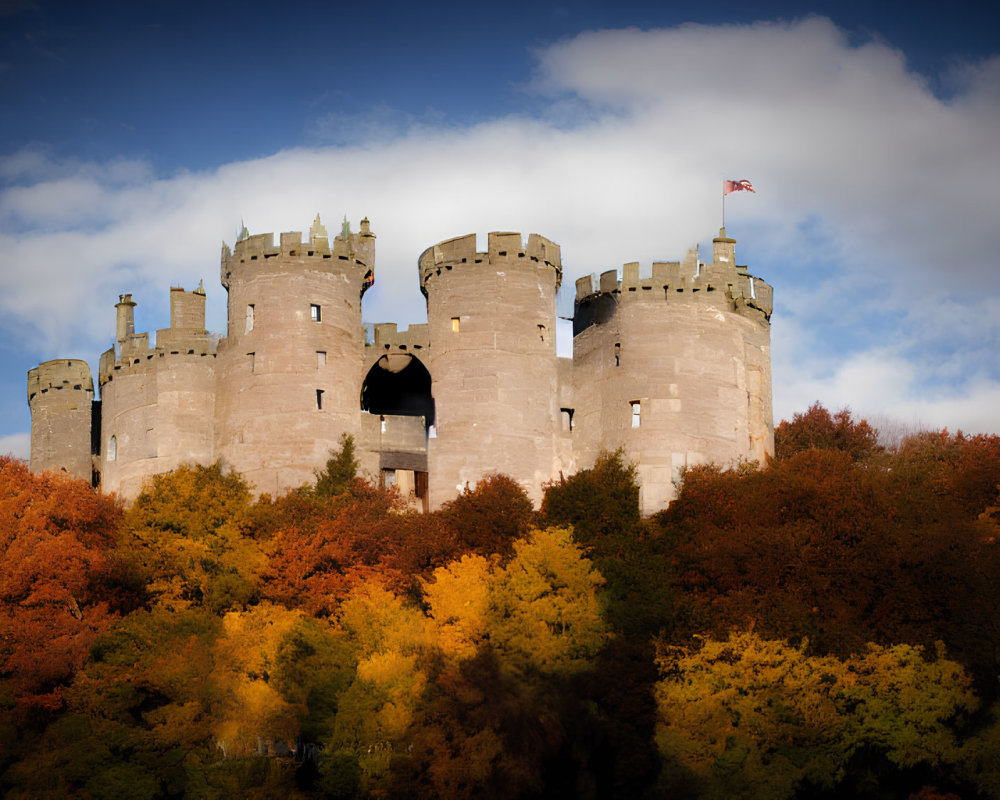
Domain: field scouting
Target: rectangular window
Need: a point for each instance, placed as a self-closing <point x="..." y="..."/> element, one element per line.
<point x="455" y="324"/>
<point x="319" y="399"/>
<point x="250" y="360"/>
<point x="315" y="312"/>
<point x="320" y="358"/>
<point x="249" y="325"/>
<point x="567" y="419"/>
<point x="636" y="413"/>
<point x="618" y="355"/>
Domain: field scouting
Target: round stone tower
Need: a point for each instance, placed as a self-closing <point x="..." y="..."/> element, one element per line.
<point x="491" y="325"/>
<point x="61" y="399"/>
<point x="675" y="369"/>
<point x="289" y="369"/>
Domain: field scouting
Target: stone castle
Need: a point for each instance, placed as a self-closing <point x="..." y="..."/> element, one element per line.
<point x="674" y="369"/>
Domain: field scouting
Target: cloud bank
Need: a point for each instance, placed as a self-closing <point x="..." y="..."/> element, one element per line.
<point x="874" y="217"/>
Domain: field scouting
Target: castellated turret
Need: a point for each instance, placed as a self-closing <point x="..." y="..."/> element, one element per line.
<point x="491" y="324"/>
<point x="289" y="369"/>
<point x="157" y="403"/>
<point x="674" y="368"/>
<point x="61" y="399"/>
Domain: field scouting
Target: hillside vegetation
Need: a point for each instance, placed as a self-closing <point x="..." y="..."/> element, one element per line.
<point x="823" y="626"/>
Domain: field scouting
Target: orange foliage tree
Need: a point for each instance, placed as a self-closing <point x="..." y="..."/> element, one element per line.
<point x="55" y="535"/>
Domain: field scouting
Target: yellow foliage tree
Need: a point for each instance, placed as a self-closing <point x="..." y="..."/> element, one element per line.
<point x="750" y="717"/>
<point x="190" y="529"/>
<point x="376" y="710"/>
<point x="539" y="612"/>
<point x="544" y="613"/>
<point x="250" y="709"/>
<point x="458" y="601"/>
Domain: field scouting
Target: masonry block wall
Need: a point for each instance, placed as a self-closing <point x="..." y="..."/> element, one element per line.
<point x="673" y="368"/>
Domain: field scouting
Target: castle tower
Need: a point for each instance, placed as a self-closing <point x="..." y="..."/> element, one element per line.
<point x="491" y="324"/>
<point x="157" y="404"/>
<point x="289" y="369"/>
<point x="61" y="399"/>
<point x="674" y="368"/>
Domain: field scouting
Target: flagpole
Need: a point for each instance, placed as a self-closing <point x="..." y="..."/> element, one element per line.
<point x="723" y="204"/>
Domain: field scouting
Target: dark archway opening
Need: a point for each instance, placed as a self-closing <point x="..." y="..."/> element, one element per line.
<point x="398" y="385"/>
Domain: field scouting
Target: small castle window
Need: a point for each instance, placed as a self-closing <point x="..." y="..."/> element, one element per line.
<point x="112" y="448"/>
<point x="567" y="419"/>
<point x="320" y="358"/>
<point x="250" y="360"/>
<point x="319" y="399"/>
<point x="456" y="324"/>
<point x="315" y="312"/>
<point x="618" y="354"/>
<point x="636" y="413"/>
<point x="249" y="325"/>
<point x="541" y="332"/>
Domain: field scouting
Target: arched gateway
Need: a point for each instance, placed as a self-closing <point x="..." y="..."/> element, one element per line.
<point x="399" y="415"/>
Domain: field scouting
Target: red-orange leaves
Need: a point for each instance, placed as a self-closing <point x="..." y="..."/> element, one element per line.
<point x="55" y="534"/>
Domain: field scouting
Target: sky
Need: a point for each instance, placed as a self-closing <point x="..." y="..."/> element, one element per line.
<point x="136" y="137"/>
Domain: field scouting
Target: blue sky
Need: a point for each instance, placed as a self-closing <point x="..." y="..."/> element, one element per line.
<point x="135" y="136"/>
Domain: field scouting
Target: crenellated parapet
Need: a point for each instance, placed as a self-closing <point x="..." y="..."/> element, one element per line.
<point x="65" y="375"/>
<point x="503" y="248"/>
<point x="689" y="280"/>
<point x="389" y="339"/>
<point x="315" y="251"/>
<point x="185" y="338"/>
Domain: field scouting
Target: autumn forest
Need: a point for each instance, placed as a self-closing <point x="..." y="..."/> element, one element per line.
<point x="822" y="626"/>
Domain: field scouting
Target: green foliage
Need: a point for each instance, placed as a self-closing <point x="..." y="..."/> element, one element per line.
<point x="191" y="530"/>
<point x="340" y="775"/>
<point x="341" y="468"/>
<point x="601" y="504"/>
<point x="544" y="613"/>
<point x="598" y="502"/>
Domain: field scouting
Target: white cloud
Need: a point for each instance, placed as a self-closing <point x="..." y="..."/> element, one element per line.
<point x="873" y="218"/>
<point x="16" y="444"/>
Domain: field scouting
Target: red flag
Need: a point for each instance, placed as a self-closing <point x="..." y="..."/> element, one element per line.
<point x="736" y="186"/>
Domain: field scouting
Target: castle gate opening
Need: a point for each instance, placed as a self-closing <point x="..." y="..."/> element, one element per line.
<point x="396" y="396"/>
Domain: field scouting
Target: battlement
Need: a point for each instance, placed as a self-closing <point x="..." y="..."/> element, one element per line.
<point x="502" y="249"/>
<point x="388" y="337"/>
<point x="355" y="248"/>
<point x="71" y="375"/>
<point x="684" y="280"/>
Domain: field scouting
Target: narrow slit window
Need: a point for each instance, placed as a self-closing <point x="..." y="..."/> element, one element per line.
<point x="319" y="399"/>
<point x="250" y="360"/>
<point x="456" y="324"/>
<point x="320" y="358"/>
<point x="636" y="413"/>
<point x="249" y="325"/>
<point x="618" y="354"/>
<point x="541" y="332"/>
<point x="567" y="419"/>
<point x="112" y="448"/>
<point x="315" y="312"/>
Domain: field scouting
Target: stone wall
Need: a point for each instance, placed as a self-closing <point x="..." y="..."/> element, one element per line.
<point x="491" y="321"/>
<point x="290" y="366"/>
<point x="60" y="396"/>
<point x="674" y="369"/>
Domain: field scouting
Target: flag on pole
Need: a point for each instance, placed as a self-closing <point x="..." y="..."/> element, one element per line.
<point x="736" y="186"/>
